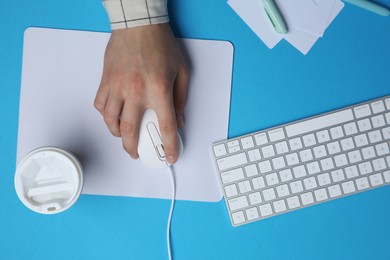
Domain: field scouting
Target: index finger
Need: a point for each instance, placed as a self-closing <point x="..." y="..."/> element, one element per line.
<point x="168" y="128"/>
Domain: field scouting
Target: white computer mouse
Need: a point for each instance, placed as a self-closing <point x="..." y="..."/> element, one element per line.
<point x="150" y="145"/>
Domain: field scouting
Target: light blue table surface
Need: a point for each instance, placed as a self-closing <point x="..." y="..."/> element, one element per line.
<point x="351" y="63"/>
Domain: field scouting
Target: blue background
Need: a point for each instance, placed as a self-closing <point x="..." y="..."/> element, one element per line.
<point x="348" y="65"/>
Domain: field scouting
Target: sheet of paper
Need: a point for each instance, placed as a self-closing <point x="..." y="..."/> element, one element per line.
<point x="61" y="74"/>
<point x="294" y="13"/>
<point x="338" y="6"/>
<point x="316" y="17"/>
<point x="304" y="41"/>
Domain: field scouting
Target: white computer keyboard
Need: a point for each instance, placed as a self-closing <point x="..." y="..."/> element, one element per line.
<point x="305" y="162"/>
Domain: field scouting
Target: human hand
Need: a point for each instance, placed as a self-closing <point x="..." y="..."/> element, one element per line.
<point x="143" y="68"/>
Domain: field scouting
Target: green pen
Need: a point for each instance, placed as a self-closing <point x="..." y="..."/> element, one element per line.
<point x="370" y="6"/>
<point x="274" y="16"/>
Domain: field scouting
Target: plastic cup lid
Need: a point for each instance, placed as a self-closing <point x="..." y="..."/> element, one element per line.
<point x="49" y="180"/>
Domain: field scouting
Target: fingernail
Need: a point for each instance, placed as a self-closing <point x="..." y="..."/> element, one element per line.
<point x="171" y="159"/>
<point x="134" y="156"/>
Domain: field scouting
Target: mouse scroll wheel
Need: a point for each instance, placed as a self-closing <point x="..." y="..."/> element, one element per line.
<point x="160" y="150"/>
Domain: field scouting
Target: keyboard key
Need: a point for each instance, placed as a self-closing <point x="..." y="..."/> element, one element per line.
<point x="336" y="132"/>
<point x="292" y="159"/>
<point x="365" y="168"/>
<point x="261" y="139"/>
<point x="327" y="164"/>
<point x="386" y="132"/>
<point x="238" y="217"/>
<point x="320" y="194"/>
<point x="306" y="155"/>
<point x="376" y="179"/>
<point x="354" y="156"/>
<point x="387" y="101"/>
<point x="382" y="149"/>
<point x="299" y="171"/>
<point x="333" y="147"/>
<point x="268" y="151"/>
<point x="310" y="183"/>
<point x="281" y="148"/>
<point x="232" y="161"/>
<point x="296" y="186"/>
<point x="232" y="175"/>
<point x="276" y="134"/>
<point x="279" y="206"/>
<point x="386" y="175"/>
<point x="254" y="155"/>
<point x="282" y="190"/>
<point x="278" y="163"/>
<point x="247" y="142"/>
<point x="350" y="128"/>
<point x="295" y="144"/>
<point x="348" y="187"/>
<point x="255" y="198"/>
<point x="293" y="202"/>
<point x="307" y="198"/>
<point x="265" y="166"/>
<point x="377" y="106"/>
<point x="362" y="111"/>
<point x="320" y="151"/>
<point x="258" y="183"/>
<point x="334" y="191"/>
<point x="266" y="210"/>
<point x="378" y="121"/>
<point x="244" y="186"/>
<point x="347" y="144"/>
<point x="388" y="161"/>
<point x="285" y="175"/>
<point x="313" y="167"/>
<point x="379" y="164"/>
<point x="232" y="143"/>
<point x="361" y="140"/>
<point x="319" y="122"/>
<point x="351" y="172"/>
<point x="269" y="194"/>
<point x="337" y="175"/>
<point x="323" y="136"/>
<point x="238" y="203"/>
<point x="364" y="125"/>
<point x="272" y="179"/>
<point x="219" y="150"/>
<point x="388" y="118"/>
<point x="234" y="149"/>
<point x="362" y="183"/>
<point x="251" y="170"/>
<point x="374" y="136"/>
<point x="340" y="160"/>
<point x="252" y="213"/>
<point x="309" y="140"/>
<point x="368" y="152"/>
<point x="231" y="190"/>
<point x="233" y="146"/>
<point x="323" y="179"/>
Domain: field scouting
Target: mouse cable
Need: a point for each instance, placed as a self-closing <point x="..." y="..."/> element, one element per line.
<point x="170" y="213"/>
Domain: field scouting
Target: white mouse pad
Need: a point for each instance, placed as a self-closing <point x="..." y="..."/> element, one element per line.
<point x="60" y="77"/>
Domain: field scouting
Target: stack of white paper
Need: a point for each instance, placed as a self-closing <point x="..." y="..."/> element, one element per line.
<point x="306" y="20"/>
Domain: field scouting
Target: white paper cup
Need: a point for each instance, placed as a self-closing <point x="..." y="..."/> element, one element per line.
<point x="49" y="180"/>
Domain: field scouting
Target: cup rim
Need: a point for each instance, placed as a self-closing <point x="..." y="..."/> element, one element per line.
<point x="19" y="185"/>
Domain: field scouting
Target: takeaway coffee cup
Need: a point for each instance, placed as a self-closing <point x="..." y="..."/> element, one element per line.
<point x="49" y="180"/>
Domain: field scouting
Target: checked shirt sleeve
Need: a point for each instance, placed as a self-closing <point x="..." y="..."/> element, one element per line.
<point x="130" y="13"/>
